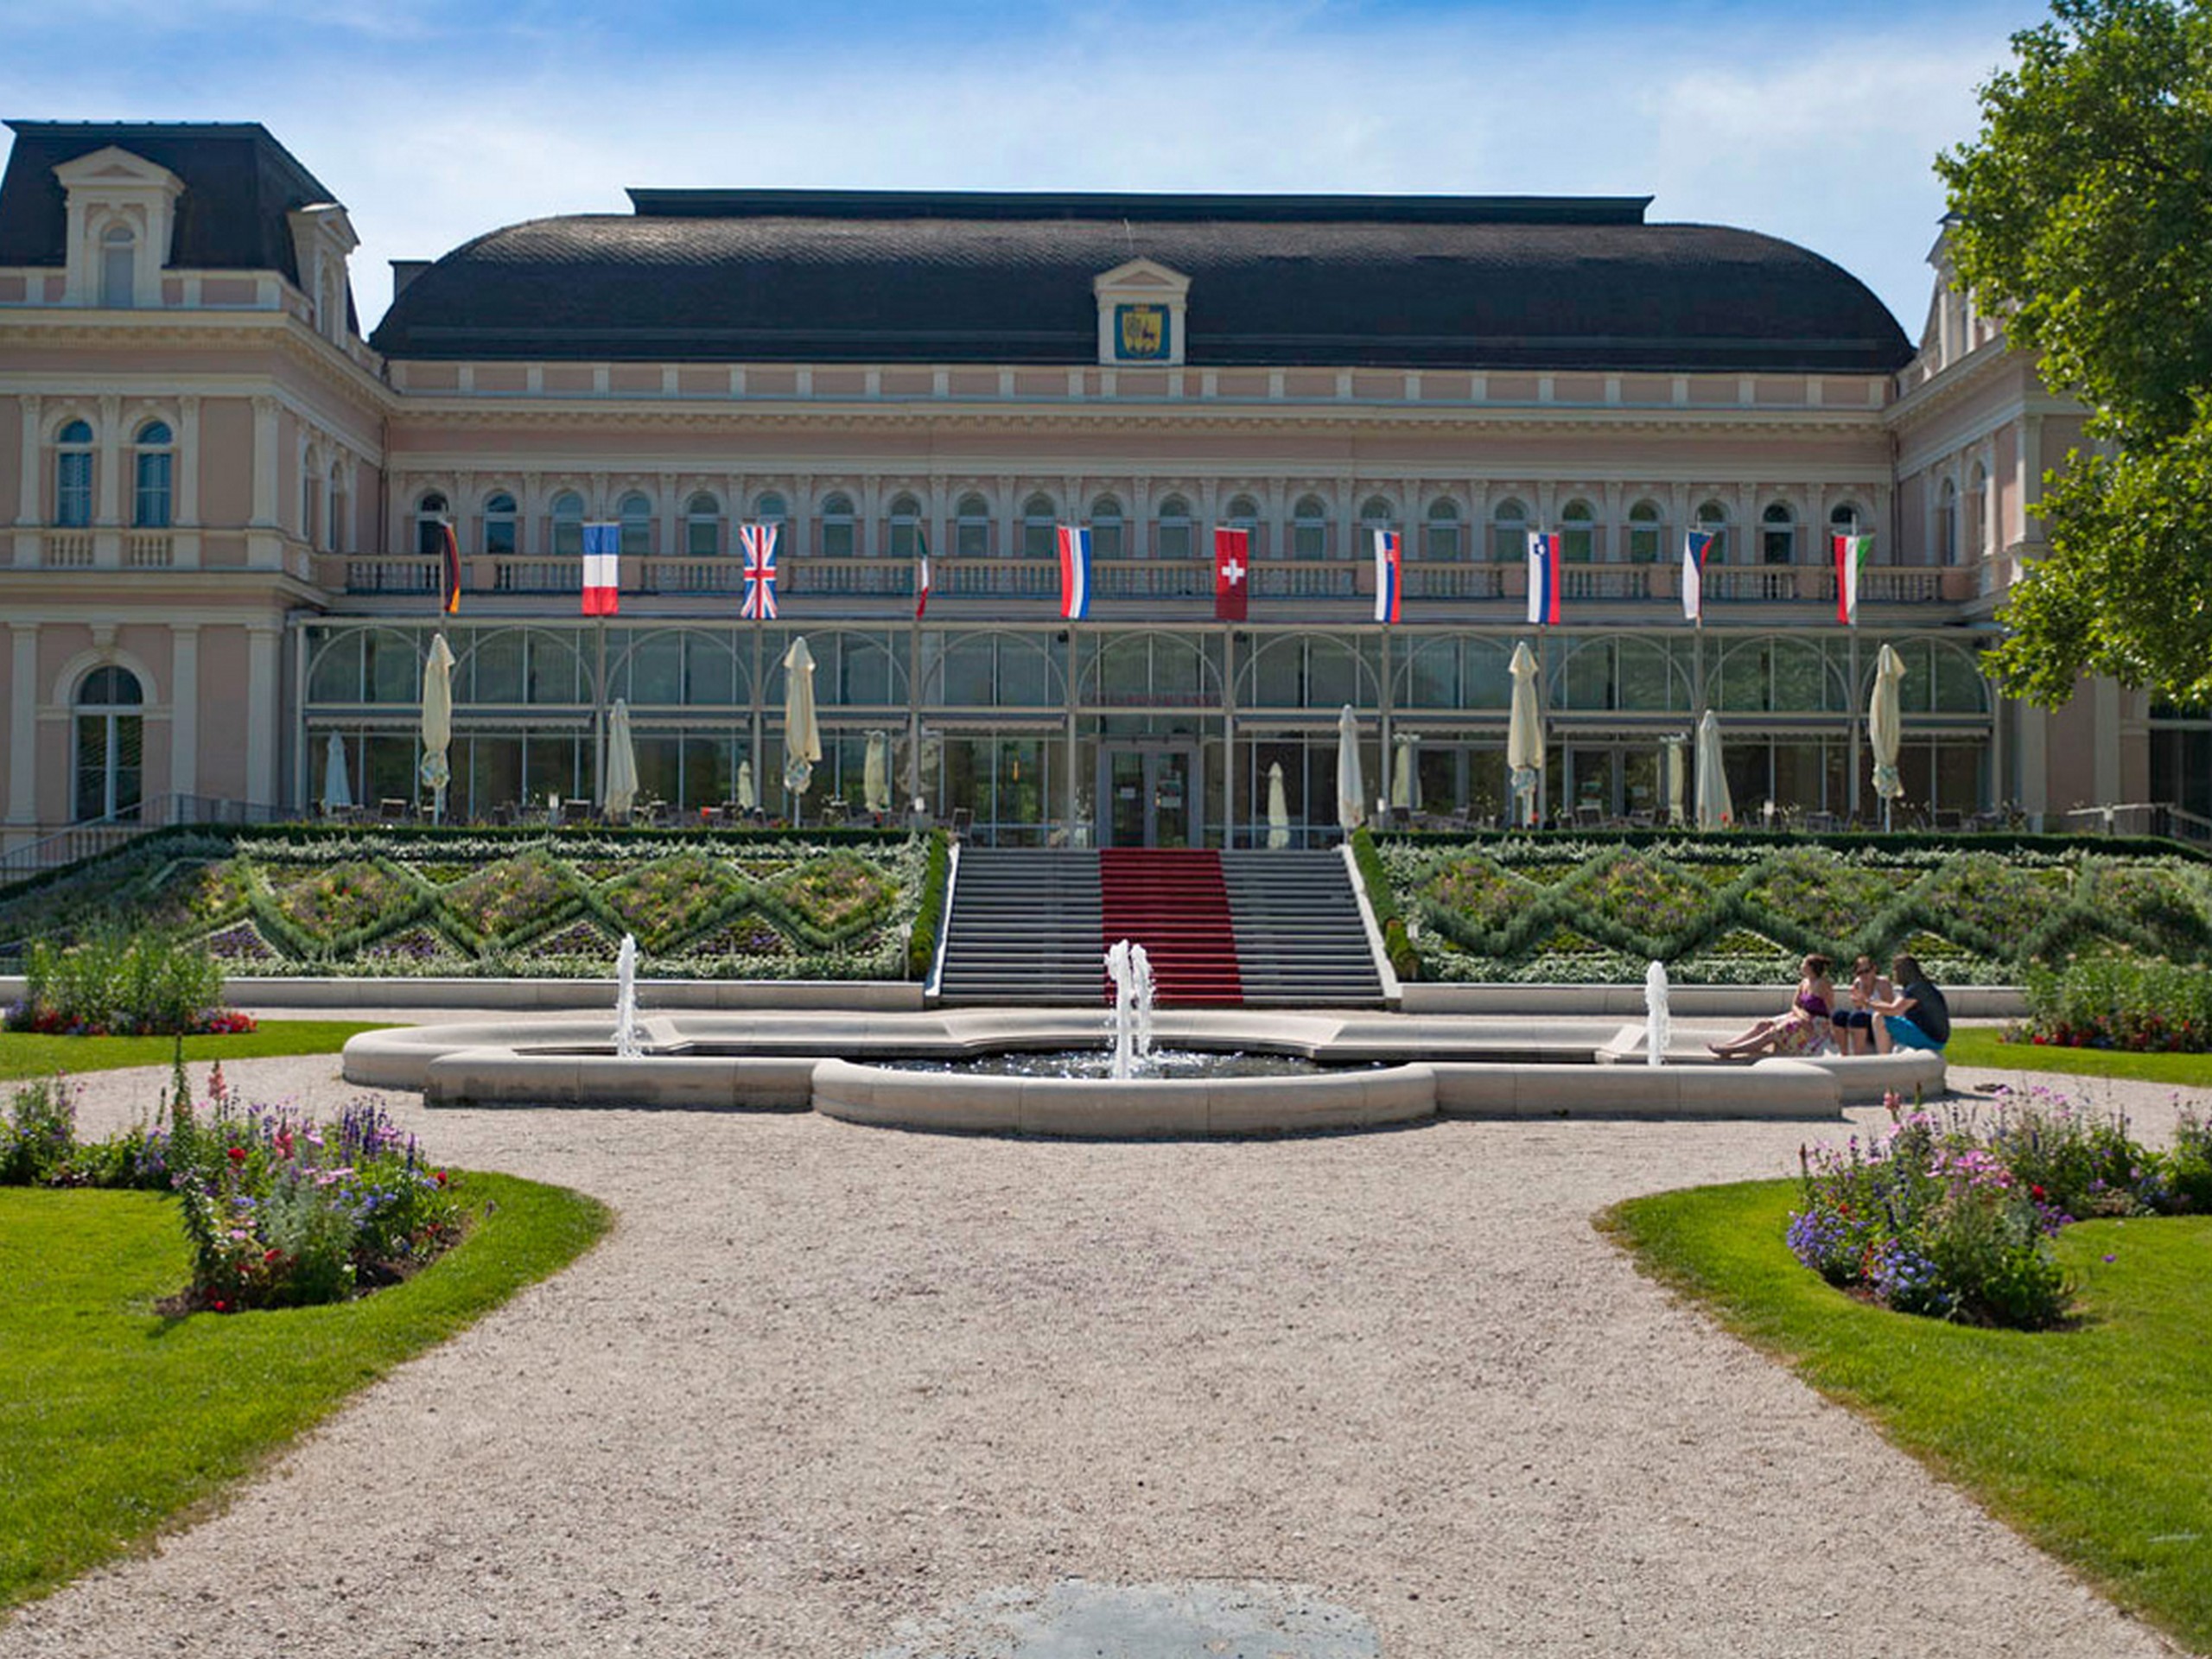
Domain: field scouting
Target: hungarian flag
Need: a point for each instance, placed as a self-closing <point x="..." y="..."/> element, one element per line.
<point x="1389" y="574"/>
<point x="1695" y="545"/>
<point x="1075" y="573"/>
<point x="602" y="570"/>
<point x="1232" y="571"/>
<point x="449" y="549"/>
<point x="1543" y="577"/>
<point x="1851" y="553"/>
<point x="921" y="574"/>
<point x="759" y="542"/>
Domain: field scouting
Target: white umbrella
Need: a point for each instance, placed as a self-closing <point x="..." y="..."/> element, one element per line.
<point x="1674" y="747"/>
<point x="437" y="719"/>
<point x="875" y="777"/>
<point x="336" y="789"/>
<point x="1278" y="807"/>
<point x="746" y="800"/>
<point x="1405" y="783"/>
<point x="801" y="733"/>
<point x="1885" y="728"/>
<point x="621" y="763"/>
<point x="1714" y="810"/>
<point x="1352" y="787"/>
<point x="1524" y="731"/>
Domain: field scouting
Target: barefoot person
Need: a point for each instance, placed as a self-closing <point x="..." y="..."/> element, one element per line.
<point x="1917" y="1017"/>
<point x="1855" y="1025"/>
<point x="1802" y="1030"/>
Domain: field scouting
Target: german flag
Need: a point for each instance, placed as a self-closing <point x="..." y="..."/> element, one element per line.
<point x="449" y="544"/>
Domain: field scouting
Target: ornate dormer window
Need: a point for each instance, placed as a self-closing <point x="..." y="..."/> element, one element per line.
<point x="122" y="215"/>
<point x="1141" y="308"/>
<point x="322" y="238"/>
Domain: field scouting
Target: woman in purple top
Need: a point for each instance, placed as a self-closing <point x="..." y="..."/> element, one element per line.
<point x="1802" y="1030"/>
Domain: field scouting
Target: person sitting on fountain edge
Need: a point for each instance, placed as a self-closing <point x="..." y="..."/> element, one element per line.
<point x="1917" y="1017"/>
<point x="1802" y="1030"/>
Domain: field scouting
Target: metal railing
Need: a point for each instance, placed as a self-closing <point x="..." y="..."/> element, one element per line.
<point x="126" y="825"/>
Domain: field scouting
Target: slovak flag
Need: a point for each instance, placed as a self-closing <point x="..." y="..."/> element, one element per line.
<point x="759" y="542"/>
<point x="1232" y="573"/>
<point x="1696" y="545"/>
<point x="1851" y="553"/>
<point x="602" y="570"/>
<point x="1543" y="577"/>
<point x="921" y="574"/>
<point x="1075" y="573"/>
<point x="1387" y="575"/>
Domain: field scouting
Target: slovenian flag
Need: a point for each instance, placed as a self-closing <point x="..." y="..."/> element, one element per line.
<point x="1543" y="577"/>
<point x="759" y="542"/>
<point x="1851" y="553"/>
<point x="602" y="570"/>
<point x="1075" y="573"/>
<point x="1695" y="545"/>
<point x="921" y="574"/>
<point x="1389" y="575"/>
<point x="449" y="546"/>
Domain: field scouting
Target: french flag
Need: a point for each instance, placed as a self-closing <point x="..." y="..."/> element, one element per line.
<point x="1696" y="545"/>
<point x="602" y="570"/>
<point x="1389" y="575"/>
<point x="1543" y="577"/>
<point x="1074" y="574"/>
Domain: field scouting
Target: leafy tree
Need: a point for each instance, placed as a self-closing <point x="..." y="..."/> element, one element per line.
<point x="2084" y="209"/>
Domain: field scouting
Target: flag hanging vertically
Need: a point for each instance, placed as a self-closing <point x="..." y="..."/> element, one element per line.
<point x="921" y="574"/>
<point x="1695" y="545"/>
<point x="1543" y="577"/>
<point x="759" y="542"/>
<point x="1232" y="573"/>
<point x="1850" y="559"/>
<point x="1075" y="573"/>
<point x="602" y="570"/>
<point x="1389" y="575"/>
<point x="449" y="551"/>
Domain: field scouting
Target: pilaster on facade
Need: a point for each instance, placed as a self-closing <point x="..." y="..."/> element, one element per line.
<point x="22" y="723"/>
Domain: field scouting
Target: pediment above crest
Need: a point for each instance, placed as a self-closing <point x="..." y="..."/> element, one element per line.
<point x="1146" y="277"/>
<point x="1141" y="305"/>
<point x="112" y="166"/>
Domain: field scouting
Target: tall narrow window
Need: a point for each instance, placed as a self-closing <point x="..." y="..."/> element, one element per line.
<point x="107" y="714"/>
<point x="1375" y="513"/>
<point x="499" y="524"/>
<point x="1106" y="528"/>
<point x="1578" y="533"/>
<point x="1172" y="538"/>
<point x="1777" y="535"/>
<point x="771" y="509"/>
<point x="1039" y="519"/>
<point x="1309" y="529"/>
<point x="341" y="513"/>
<point x="702" y="526"/>
<point x="429" y="525"/>
<point x="568" y="525"/>
<point x="152" y="466"/>
<point x="72" y="476"/>
<point x="1712" y="519"/>
<point x="1646" y="532"/>
<point x="837" y="526"/>
<point x="1242" y="513"/>
<point x="1946" y="524"/>
<point x="1442" y="543"/>
<point x="119" y="268"/>
<point x="1508" y="531"/>
<point x="636" y="514"/>
<point x="311" y="498"/>
<point x="971" y="533"/>
<point x="906" y="527"/>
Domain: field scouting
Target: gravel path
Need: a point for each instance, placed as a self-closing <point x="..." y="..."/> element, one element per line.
<point x="823" y="1382"/>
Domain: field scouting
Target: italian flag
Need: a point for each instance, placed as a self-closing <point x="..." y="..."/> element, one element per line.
<point x="1851" y="553"/>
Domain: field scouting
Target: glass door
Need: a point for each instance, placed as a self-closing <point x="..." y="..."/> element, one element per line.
<point x="1152" y="796"/>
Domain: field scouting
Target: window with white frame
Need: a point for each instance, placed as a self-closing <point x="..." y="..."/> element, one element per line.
<point x="1309" y="529"/>
<point x="1039" y="525"/>
<point x="1647" y="533"/>
<point x="118" y="267"/>
<point x="838" y="526"/>
<point x="1578" y="533"/>
<point x="1777" y="534"/>
<point x="972" y="527"/>
<point x="1442" y="540"/>
<point x="702" y="526"/>
<point x="153" y="465"/>
<point x="73" y="475"/>
<point x="1106" y="528"/>
<point x="1509" y="531"/>
<point x="1170" y="535"/>
<point x="634" y="512"/>
<point x="107" y="718"/>
<point x="500" y="520"/>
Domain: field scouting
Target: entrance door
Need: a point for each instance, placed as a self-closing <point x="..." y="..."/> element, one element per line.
<point x="1152" y="796"/>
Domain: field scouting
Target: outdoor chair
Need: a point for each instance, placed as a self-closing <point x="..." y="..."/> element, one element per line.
<point x="391" y="810"/>
<point x="962" y="819"/>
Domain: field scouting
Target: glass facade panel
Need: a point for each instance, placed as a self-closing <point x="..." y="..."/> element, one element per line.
<point x="394" y="671"/>
<point x="711" y="674"/>
<point x="656" y="665"/>
<point x="497" y="666"/>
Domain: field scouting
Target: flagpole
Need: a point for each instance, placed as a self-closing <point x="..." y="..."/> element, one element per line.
<point x="914" y="682"/>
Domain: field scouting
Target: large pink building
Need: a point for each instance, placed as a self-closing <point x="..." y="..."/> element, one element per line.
<point x="228" y="504"/>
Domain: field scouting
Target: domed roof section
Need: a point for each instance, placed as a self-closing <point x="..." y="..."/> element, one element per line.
<point x="1483" y="284"/>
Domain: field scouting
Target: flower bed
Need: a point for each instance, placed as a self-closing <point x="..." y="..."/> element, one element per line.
<point x="2120" y="1000"/>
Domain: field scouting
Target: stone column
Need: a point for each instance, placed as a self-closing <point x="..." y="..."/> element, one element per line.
<point x="22" y="725"/>
<point x="188" y="463"/>
<point x="184" y="708"/>
<point x="261" y="713"/>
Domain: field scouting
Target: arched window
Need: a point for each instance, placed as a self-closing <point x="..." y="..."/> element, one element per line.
<point x="972" y="527"/>
<point x="770" y="508"/>
<point x="109" y="722"/>
<point x="152" y="466"/>
<point x="635" y="514"/>
<point x="499" y="536"/>
<point x="119" y="268"/>
<point x="568" y="514"/>
<point x="837" y="526"/>
<point x="1106" y="528"/>
<point x="1309" y="529"/>
<point x="1777" y="534"/>
<point x="1171" y="537"/>
<point x="1946" y="524"/>
<point x="1243" y="513"/>
<point x="1647" y="533"/>
<point x="341" y="540"/>
<point x="1578" y="533"/>
<point x="1375" y="513"/>
<point x="702" y="526"/>
<point x="1440" y="538"/>
<point x="1713" y="519"/>
<point x="1846" y="519"/>
<point x="905" y="537"/>
<point x="72" y="476"/>
<point x="1040" y="523"/>
<point x="429" y="525"/>
<point x="1508" y="531"/>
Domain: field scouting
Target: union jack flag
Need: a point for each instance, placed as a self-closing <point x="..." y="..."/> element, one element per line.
<point x="760" y="544"/>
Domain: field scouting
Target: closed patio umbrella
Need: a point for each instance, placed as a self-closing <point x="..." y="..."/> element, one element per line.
<point x="1674" y="747"/>
<point x="1885" y="728"/>
<point x="1525" y="733"/>
<point x="801" y="733"/>
<point x="621" y="763"/>
<point x="437" y="722"/>
<point x="1278" y="807"/>
<point x="875" y="778"/>
<point x="337" y="788"/>
<point x="748" y="800"/>
<point x="1351" y="786"/>
<point x="1405" y="782"/>
<point x="1714" y="810"/>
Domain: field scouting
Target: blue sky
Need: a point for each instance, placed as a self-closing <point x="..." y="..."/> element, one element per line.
<point x="435" y="122"/>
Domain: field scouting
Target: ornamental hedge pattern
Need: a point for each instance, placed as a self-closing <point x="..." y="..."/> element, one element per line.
<point x="372" y="900"/>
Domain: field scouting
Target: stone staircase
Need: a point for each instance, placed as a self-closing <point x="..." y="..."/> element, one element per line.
<point x="1025" y="928"/>
<point x="1299" y="940"/>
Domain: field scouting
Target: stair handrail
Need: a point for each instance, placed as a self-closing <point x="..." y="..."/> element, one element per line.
<point x="930" y="986"/>
<point x="1392" y="990"/>
<point x="124" y="825"/>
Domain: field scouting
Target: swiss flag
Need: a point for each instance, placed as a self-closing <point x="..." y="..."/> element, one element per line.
<point x="1232" y="573"/>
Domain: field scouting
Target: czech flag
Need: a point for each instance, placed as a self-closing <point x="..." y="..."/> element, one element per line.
<point x="1543" y="577"/>
<point x="1851" y="553"/>
<point x="1695" y="545"/>
<point x="602" y="570"/>
<point x="449" y="546"/>
<point x="1389" y="575"/>
<point x="1074" y="574"/>
<point x="1232" y="573"/>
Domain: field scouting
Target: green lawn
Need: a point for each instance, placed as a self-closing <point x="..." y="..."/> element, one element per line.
<point x="2096" y="1442"/>
<point x="1972" y="1046"/>
<point x="115" y="1422"/>
<point x="23" y="1055"/>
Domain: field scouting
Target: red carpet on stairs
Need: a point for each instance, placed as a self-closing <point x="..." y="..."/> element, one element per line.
<point x="1175" y="904"/>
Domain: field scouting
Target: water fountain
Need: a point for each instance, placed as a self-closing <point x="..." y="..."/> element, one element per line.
<point x="1655" y="1032"/>
<point x="627" y="1046"/>
<point x="1130" y="969"/>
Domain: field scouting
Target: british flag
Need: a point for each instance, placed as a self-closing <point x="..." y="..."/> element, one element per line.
<point x="760" y="544"/>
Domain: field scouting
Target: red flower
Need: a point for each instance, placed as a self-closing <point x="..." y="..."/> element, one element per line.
<point x="439" y="1176"/>
<point x="2039" y="1193"/>
<point x="220" y="1308"/>
<point x="237" y="1154"/>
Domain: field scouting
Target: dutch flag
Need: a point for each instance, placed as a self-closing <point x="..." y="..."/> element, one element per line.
<point x="1075" y="573"/>
<point x="1388" y="573"/>
<point x="602" y="570"/>
<point x="1543" y="577"/>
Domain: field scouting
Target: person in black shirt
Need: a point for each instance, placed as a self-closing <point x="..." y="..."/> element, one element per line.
<point x="1917" y="1017"/>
